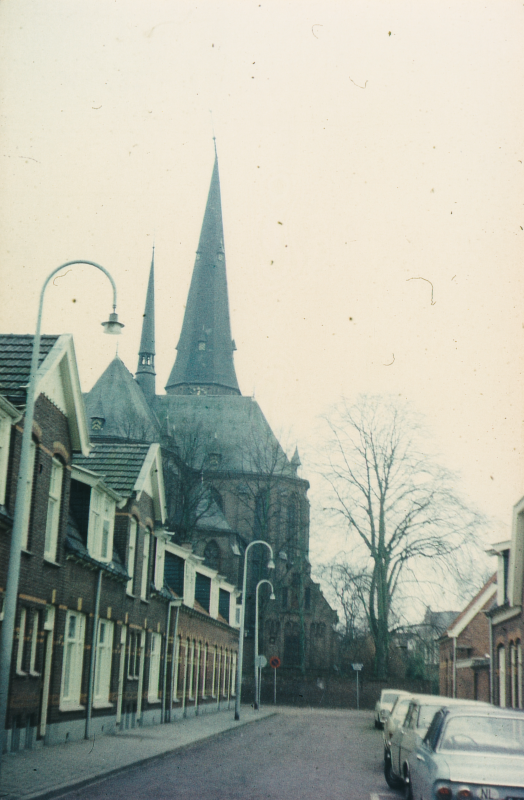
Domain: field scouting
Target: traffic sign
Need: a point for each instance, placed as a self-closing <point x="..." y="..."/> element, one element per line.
<point x="274" y="662"/>
<point x="357" y="667"/>
<point x="260" y="662"/>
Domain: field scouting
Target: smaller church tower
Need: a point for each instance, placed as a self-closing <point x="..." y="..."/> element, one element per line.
<point x="145" y="373"/>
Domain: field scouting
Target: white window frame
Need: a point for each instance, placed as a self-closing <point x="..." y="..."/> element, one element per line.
<point x="159" y="563"/>
<point x="73" y="662"/>
<point x="29" y="495"/>
<point x="34" y="643"/>
<point x="176" y="656"/>
<point x="101" y="525"/>
<point x="21" y="642"/>
<point x="214" y="675"/>
<point x="224" y="692"/>
<point x="191" y="669"/>
<point x="146" y="545"/>
<point x="501" y="657"/>
<point x="104" y="660"/>
<point x="204" y="669"/>
<point x="131" y="555"/>
<point x="5" y="441"/>
<point x="54" y="506"/>
<point x="234" y="675"/>
<point x="133" y="661"/>
<point x="153" y="692"/>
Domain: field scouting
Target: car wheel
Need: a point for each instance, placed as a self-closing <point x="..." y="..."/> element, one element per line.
<point x="391" y="779"/>
<point x="408" y="789"/>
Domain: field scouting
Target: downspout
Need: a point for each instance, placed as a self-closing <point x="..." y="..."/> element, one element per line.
<point x="173" y="663"/>
<point x="164" y="676"/>
<point x="92" y="664"/>
<point x="454" y="666"/>
<point x="491" y="662"/>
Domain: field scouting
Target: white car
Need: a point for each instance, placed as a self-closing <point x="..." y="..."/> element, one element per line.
<point x="385" y="704"/>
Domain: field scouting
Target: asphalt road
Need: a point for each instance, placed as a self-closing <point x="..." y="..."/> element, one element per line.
<point x="295" y="755"/>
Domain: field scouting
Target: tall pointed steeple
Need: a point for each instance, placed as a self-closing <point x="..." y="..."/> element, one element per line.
<point x="145" y="373"/>
<point x="204" y="361"/>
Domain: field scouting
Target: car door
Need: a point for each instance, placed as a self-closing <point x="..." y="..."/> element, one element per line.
<point x="410" y="739"/>
<point x="397" y="742"/>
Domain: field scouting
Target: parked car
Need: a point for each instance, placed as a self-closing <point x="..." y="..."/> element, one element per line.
<point x="395" y="718"/>
<point x="470" y="753"/>
<point x="384" y="705"/>
<point x="408" y="735"/>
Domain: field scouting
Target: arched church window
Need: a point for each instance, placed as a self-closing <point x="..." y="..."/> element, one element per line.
<point x="212" y="555"/>
<point x="261" y="514"/>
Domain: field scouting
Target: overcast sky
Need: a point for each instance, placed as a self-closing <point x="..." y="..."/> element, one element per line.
<point x="371" y="172"/>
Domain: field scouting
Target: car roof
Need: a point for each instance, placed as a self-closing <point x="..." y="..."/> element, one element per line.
<point x="483" y="709"/>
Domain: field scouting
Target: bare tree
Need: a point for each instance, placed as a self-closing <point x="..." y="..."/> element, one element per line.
<point x="404" y="519"/>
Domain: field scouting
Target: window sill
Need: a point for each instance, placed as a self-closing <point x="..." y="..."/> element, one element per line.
<point x="130" y="594"/>
<point x="143" y="600"/>
<point x="67" y="707"/>
<point x="34" y="674"/>
<point x="102" y="704"/>
<point x="51" y="562"/>
<point x="27" y="552"/>
<point x="154" y="701"/>
<point x="132" y="677"/>
<point x="21" y="673"/>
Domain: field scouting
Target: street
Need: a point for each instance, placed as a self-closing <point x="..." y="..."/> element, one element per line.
<point x="298" y="753"/>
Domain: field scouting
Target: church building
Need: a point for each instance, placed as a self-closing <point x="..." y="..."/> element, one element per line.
<point x="227" y="479"/>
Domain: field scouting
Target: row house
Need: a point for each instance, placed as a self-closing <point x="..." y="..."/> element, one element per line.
<point x="115" y="626"/>
<point x="507" y="617"/>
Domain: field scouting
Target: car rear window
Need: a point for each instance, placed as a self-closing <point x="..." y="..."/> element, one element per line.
<point x="484" y="734"/>
<point x="388" y="697"/>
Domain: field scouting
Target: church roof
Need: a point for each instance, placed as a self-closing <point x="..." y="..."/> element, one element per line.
<point x="119" y="463"/>
<point x="118" y="399"/>
<point x="15" y="364"/>
<point x="205" y="349"/>
<point x="147" y="341"/>
<point x="245" y="441"/>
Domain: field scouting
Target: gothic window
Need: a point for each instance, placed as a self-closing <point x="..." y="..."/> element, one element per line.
<point x="212" y="555"/>
<point x="261" y="509"/>
<point x="216" y="496"/>
<point x="291" y="526"/>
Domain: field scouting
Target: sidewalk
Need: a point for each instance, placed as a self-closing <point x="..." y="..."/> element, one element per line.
<point x="51" y="771"/>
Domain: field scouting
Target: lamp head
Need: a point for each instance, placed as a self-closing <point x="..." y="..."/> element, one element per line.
<point x="282" y="556"/>
<point x="112" y="325"/>
<point x="272" y="596"/>
<point x="271" y="564"/>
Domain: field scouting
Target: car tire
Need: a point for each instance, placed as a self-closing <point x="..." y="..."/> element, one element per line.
<point x="391" y="779"/>
<point x="408" y="789"/>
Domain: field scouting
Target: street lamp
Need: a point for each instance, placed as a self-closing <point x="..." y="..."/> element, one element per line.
<point x="270" y="565"/>
<point x="258" y="669"/>
<point x="112" y="326"/>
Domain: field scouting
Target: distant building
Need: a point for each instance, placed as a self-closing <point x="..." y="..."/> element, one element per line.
<point x="227" y="479"/>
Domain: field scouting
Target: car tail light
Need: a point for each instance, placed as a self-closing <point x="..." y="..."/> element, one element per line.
<point x="444" y="791"/>
<point x="464" y="793"/>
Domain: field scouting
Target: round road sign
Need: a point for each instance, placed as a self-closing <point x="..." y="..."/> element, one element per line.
<point x="274" y="662"/>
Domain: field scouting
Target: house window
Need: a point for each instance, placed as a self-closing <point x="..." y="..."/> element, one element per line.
<point x="73" y="659"/>
<point x="234" y="675"/>
<point x="159" y="563"/>
<point x="174" y="572"/>
<point x="104" y="652"/>
<point x="26" y="519"/>
<point x="502" y="676"/>
<point x="21" y="642"/>
<point x="513" y="674"/>
<point x="5" y="438"/>
<point x="133" y="665"/>
<point x="34" y="643"/>
<point x="204" y="670"/>
<point x="224" y="598"/>
<point x="176" y="656"/>
<point x="519" y="674"/>
<point x="214" y="678"/>
<point x="154" y="668"/>
<point x="145" y="565"/>
<point x="203" y="590"/>
<point x="131" y="555"/>
<point x="224" y="674"/>
<point x="191" y="667"/>
<point x="101" y="522"/>
<point x="53" y="509"/>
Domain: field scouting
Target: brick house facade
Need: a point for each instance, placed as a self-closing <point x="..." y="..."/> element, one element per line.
<point x="464" y="668"/>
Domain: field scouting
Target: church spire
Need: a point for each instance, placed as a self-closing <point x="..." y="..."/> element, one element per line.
<point x="204" y="361"/>
<point x="145" y="373"/>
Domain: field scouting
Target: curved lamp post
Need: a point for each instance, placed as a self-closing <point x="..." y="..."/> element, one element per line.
<point x="11" y="590"/>
<point x="258" y="669"/>
<point x="270" y="565"/>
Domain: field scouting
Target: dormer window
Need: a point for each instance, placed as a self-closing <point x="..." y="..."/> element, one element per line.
<point x="101" y="523"/>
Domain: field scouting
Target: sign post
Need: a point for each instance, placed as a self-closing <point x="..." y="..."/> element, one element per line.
<point x="274" y="663"/>
<point x="357" y="668"/>
<point x="260" y="663"/>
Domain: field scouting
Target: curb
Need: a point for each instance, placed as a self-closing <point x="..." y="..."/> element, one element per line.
<point x="65" y="788"/>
